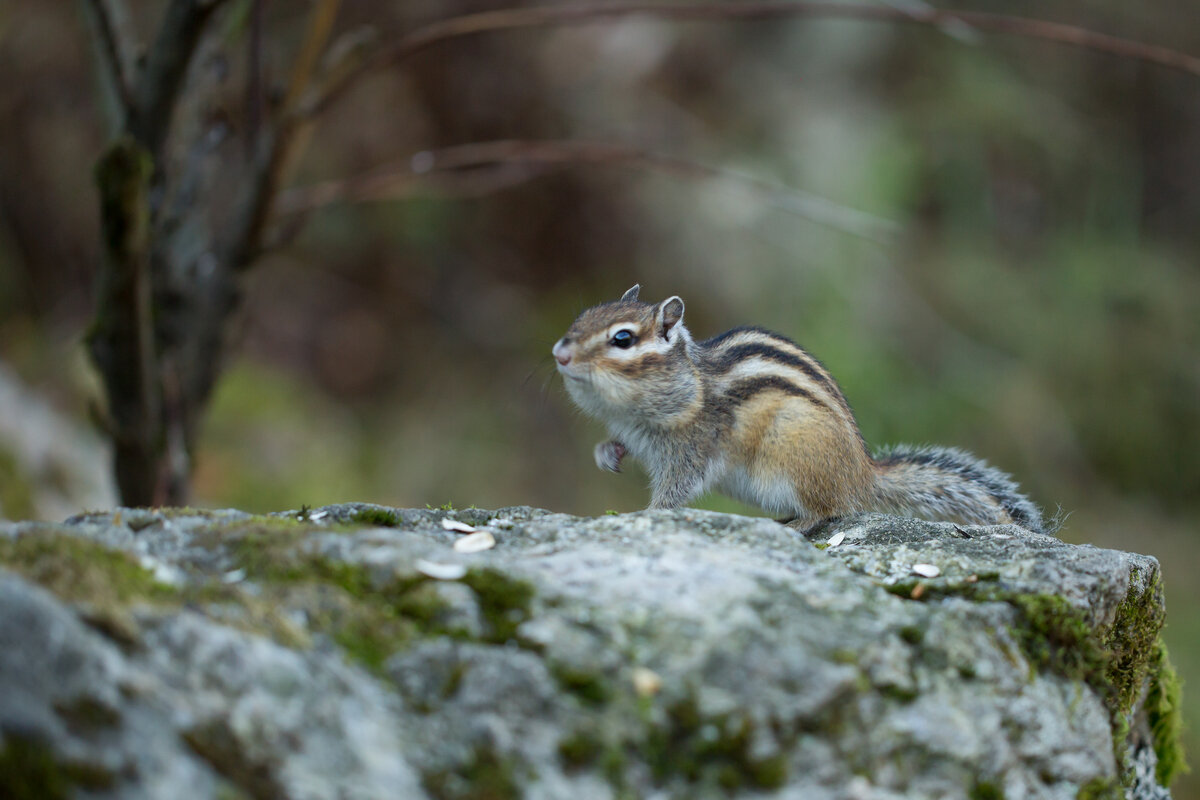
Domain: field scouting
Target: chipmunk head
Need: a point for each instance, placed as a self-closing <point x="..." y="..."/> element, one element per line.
<point x="627" y="357"/>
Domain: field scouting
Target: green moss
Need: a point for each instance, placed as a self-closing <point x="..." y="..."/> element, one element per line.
<point x="78" y="569"/>
<point x="217" y="744"/>
<point x="368" y="644"/>
<point x="900" y="693"/>
<point x="1115" y="660"/>
<point x="1100" y="789"/>
<point x="454" y="679"/>
<point x="381" y="517"/>
<point x="709" y="751"/>
<point x="504" y="602"/>
<point x="902" y="588"/>
<point x="844" y="655"/>
<point x="485" y="777"/>
<point x="580" y="749"/>
<point x="375" y="614"/>
<point x="108" y="581"/>
<point x="1131" y="642"/>
<point x="369" y="617"/>
<point x="88" y="776"/>
<point x="589" y="686"/>
<point x="87" y="715"/>
<point x="29" y="771"/>
<point x="1057" y="636"/>
<point x="1165" y="714"/>
<point x="613" y="764"/>
<point x="986" y="790"/>
<point x="227" y="791"/>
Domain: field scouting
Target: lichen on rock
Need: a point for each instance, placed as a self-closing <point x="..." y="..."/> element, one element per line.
<point x="350" y="651"/>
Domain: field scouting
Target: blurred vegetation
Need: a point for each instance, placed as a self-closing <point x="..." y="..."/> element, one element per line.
<point x="1041" y="306"/>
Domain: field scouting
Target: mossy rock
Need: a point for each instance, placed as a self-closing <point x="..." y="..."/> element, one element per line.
<point x="689" y="654"/>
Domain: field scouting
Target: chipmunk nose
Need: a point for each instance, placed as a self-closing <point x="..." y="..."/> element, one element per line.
<point x="562" y="353"/>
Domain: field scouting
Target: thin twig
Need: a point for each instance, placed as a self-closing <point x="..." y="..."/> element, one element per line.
<point x="537" y="156"/>
<point x="320" y="26"/>
<point x="114" y="52"/>
<point x="254" y="81"/>
<point x="509" y="19"/>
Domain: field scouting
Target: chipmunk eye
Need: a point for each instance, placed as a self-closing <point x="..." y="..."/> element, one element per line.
<point x="622" y="339"/>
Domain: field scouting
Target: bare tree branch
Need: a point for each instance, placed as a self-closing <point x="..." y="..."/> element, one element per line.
<point x="158" y="87"/>
<point x="510" y="19"/>
<point x="534" y="158"/>
<point x="121" y="335"/>
<point x="114" y="51"/>
<point x="275" y="153"/>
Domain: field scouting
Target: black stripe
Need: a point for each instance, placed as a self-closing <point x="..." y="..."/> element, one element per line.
<point x="719" y="339"/>
<point x="731" y="357"/>
<point x="741" y="391"/>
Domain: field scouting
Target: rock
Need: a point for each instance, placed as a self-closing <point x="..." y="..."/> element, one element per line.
<point x="658" y="654"/>
<point x="50" y="463"/>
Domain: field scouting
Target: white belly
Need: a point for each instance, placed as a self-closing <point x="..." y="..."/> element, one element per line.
<point x="775" y="496"/>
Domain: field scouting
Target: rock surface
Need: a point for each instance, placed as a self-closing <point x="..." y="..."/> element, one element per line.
<point x="352" y="652"/>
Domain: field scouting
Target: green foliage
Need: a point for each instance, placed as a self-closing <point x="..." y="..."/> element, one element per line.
<point x="255" y="407"/>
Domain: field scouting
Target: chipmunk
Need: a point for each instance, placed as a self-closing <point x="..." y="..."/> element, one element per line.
<point x="751" y="414"/>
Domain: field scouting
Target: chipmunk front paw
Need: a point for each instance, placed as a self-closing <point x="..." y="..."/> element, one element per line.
<point x="609" y="454"/>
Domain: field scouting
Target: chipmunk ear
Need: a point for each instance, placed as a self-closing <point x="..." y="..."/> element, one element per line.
<point x="632" y="294"/>
<point x="668" y="316"/>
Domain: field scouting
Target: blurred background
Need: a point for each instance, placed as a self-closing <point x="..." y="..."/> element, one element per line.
<point x="1037" y="302"/>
